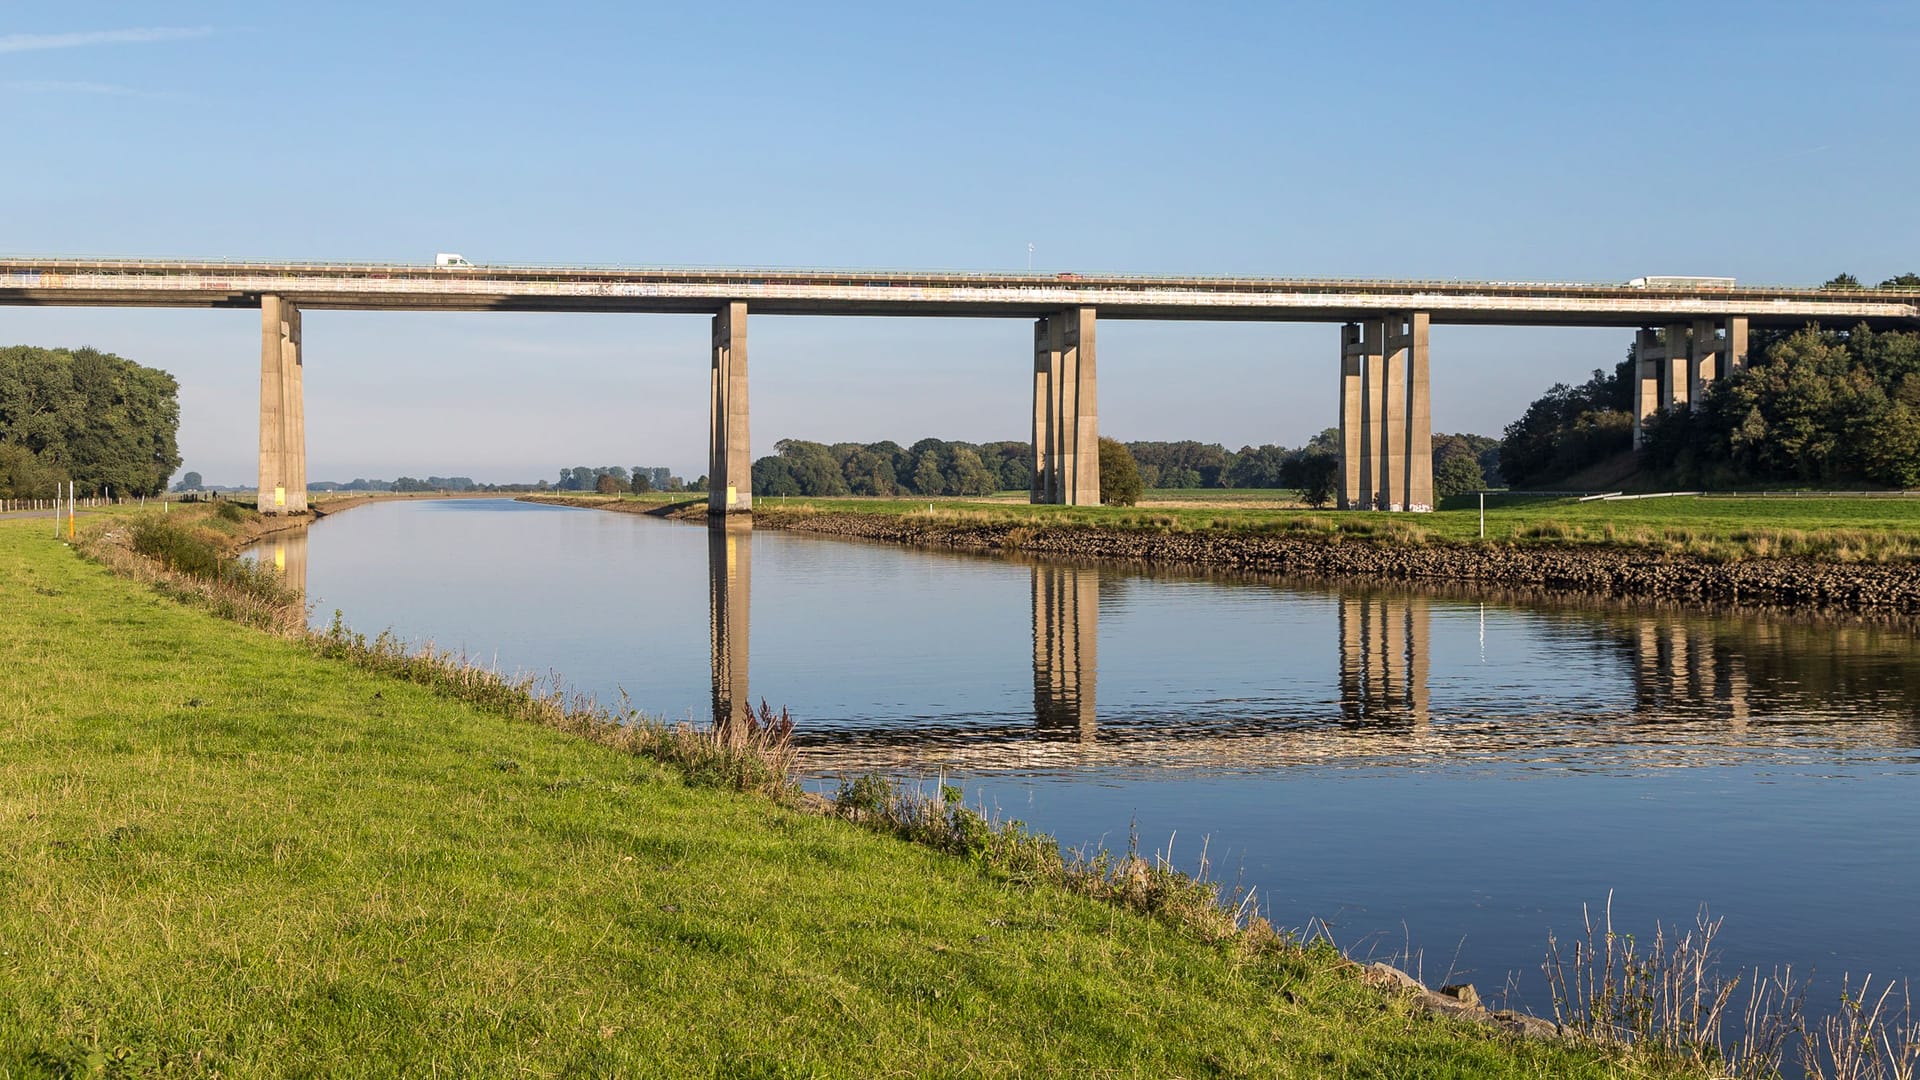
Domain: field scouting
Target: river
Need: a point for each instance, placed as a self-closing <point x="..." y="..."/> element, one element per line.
<point x="1433" y="778"/>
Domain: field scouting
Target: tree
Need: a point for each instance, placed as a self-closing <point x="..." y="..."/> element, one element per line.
<point x="189" y="481"/>
<point x="1902" y="281"/>
<point x="607" y="484"/>
<point x="642" y="483"/>
<point x="968" y="475"/>
<point x="813" y="467"/>
<point x="928" y="479"/>
<point x="869" y="473"/>
<point x="24" y="476"/>
<point x="1842" y="281"/>
<point x="1317" y="471"/>
<point x="98" y="419"/>
<point x="772" y="476"/>
<point x="1262" y="467"/>
<point x="1119" y="474"/>
<point x="1457" y="475"/>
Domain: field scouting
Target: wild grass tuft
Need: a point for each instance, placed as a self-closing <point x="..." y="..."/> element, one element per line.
<point x="1153" y="887"/>
<point x="1669" y="997"/>
<point x="182" y="561"/>
<point x="753" y="754"/>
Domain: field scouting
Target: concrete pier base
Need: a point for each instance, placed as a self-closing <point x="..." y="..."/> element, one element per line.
<point x="283" y="424"/>
<point x="1066" y="415"/>
<point x="1386" y="415"/>
<point x="729" y="448"/>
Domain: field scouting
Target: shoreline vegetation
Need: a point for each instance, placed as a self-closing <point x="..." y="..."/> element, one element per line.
<point x="1779" y="553"/>
<point x="239" y="850"/>
<point x="513" y="878"/>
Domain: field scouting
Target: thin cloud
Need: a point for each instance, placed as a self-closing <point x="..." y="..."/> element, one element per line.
<point x="134" y="36"/>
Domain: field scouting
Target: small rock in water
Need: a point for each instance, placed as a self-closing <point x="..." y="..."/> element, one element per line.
<point x="1461" y="992"/>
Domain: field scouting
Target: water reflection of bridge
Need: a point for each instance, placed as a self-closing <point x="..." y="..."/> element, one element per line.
<point x="1366" y="684"/>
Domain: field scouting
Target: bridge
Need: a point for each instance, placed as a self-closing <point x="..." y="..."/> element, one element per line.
<point x="1690" y="332"/>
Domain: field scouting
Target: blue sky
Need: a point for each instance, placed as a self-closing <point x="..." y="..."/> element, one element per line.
<point x="1773" y="142"/>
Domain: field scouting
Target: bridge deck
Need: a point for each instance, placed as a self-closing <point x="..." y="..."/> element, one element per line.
<point x="413" y="287"/>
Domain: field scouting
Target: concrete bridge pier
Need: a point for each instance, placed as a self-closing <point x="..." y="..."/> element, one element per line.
<point x="729" y="450"/>
<point x="283" y="423"/>
<point x="1676" y="364"/>
<point x="1386" y="414"/>
<point x="1066" y="415"/>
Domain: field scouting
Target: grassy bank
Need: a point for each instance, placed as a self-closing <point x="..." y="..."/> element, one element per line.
<point x="225" y="853"/>
<point x="1835" y="528"/>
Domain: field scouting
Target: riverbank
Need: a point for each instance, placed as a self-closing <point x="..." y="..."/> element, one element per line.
<point x="1873" y="576"/>
<point x="229" y="853"/>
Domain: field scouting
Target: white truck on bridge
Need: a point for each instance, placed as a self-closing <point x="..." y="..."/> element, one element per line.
<point x="448" y="258"/>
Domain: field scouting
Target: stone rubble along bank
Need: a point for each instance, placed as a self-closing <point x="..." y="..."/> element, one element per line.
<point x="1872" y="589"/>
<point x="1595" y="569"/>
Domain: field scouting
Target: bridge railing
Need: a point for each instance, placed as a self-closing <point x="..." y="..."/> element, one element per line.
<point x="747" y="275"/>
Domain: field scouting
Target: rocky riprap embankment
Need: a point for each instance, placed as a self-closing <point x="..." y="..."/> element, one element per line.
<point x="1892" y="587"/>
<point x="1872" y="589"/>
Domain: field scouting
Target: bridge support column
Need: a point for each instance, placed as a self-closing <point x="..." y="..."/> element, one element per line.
<point x="1386" y="415"/>
<point x="1409" y="414"/>
<point x="1066" y="415"/>
<point x="1649" y="360"/>
<point x="283" y="424"/>
<point x="1677" y="364"/>
<point x="729" y="450"/>
<point x="1373" y="401"/>
<point x="1352" y="360"/>
<point x="1674" y="376"/>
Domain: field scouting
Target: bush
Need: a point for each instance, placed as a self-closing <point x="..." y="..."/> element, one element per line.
<point x="1319" y="474"/>
<point x="1119" y="475"/>
<point x="178" y="547"/>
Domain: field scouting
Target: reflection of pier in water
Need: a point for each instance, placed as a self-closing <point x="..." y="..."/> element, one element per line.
<point x="1385" y="642"/>
<point x="1679" y="677"/>
<point x="286" y="552"/>
<point x="1683" y="670"/>
<point x="1066" y="647"/>
<point x="729" y="601"/>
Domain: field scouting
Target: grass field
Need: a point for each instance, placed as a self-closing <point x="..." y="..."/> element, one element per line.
<point x="222" y="854"/>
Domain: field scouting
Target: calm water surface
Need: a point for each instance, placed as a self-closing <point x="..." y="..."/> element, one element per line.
<point x="1440" y="778"/>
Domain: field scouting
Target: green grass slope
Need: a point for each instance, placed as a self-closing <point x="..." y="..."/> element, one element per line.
<point x="222" y="855"/>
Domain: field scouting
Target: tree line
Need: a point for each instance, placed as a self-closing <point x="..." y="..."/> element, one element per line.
<point x="800" y="467"/>
<point x="105" y="423"/>
<point x="611" y="479"/>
